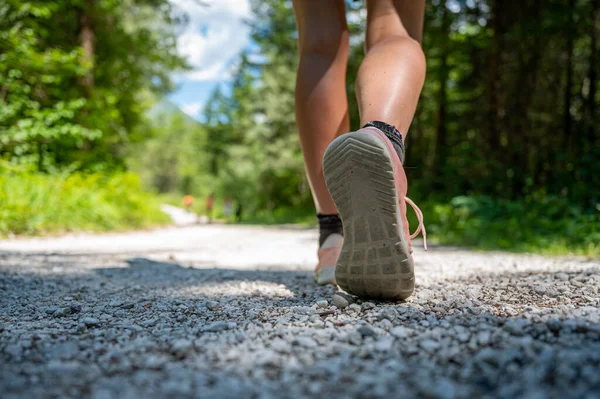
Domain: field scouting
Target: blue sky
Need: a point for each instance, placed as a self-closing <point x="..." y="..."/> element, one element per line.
<point x="214" y="36"/>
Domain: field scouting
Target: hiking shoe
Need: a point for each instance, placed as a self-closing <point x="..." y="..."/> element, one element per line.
<point x="328" y="255"/>
<point x="367" y="182"/>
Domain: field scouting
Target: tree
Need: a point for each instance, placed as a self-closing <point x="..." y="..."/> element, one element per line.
<point x="73" y="75"/>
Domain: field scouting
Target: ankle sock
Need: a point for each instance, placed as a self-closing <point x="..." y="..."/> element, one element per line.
<point x="391" y="133"/>
<point x="329" y="224"/>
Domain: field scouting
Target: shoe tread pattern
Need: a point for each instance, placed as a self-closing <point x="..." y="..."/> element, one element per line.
<point x="374" y="261"/>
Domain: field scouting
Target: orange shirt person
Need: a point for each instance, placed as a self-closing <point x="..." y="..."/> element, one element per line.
<point x="188" y="201"/>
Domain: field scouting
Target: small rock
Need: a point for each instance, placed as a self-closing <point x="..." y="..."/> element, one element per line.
<point x="384" y="344"/>
<point x="50" y="310"/>
<point x="322" y="303"/>
<point x="516" y="326"/>
<point x="115" y="304"/>
<point x="267" y="357"/>
<point x="279" y="345"/>
<point x="462" y="334"/>
<point x="305" y="310"/>
<point x="217" y="326"/>
<point x="341" y="300"/>
<point x="14" y="350"/>
<point x="367" y="306"/>
<point x="353" y="307"/>
<point x="540" y="289"/>
<point x="487" y="355"/>
<point x="213" y="305"/>
<point x="429" y="345"/>
<point x="155" y="362"/>
<point x="366" y="331"/>
<point x="90" y="321"/>
<point x="354" y="338"/>
<point x="388" y="313"/>
<point x="150" y="322"/>
<point x="445" y="389"/>
<point x="64" y="351"/>
<point x="181" y="346"/>
<point x="399" y="332"/>
<point x="484" y="337"/>
<point x="62" y="312"/>
<point x="306" y="342"/>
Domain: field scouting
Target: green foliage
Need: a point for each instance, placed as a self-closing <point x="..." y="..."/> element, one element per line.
<point x="173" y="157"/>
<point x="544" y="224"/>
<point x="255" y="152"/>
<point x="34" y="203"/>
<point x="73" y="77"/>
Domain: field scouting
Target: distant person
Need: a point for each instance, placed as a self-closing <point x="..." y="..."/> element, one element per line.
<point x="188" y="202"/>
<point x="209" y="207"/>
<point x="238" y="212"/>
<point x="227" y="207"/>
<point x="357" y="178"/>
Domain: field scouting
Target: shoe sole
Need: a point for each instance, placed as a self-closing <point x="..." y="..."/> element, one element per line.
<point x="375" y="261"/>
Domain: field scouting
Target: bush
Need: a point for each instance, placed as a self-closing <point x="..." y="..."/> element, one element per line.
<point x="34" y="203"/>
<point x="542" y="224"/>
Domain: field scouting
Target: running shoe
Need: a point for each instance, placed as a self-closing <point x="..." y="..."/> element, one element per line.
<point x="367" y="182"/>
<point x="328" y="255"/>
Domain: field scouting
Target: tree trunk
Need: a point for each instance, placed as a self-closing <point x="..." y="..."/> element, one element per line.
<point x="492" y="155"/>
<point x="87" y="41"/>
<point x="441" y="131"/>
<point x="567" y="117"/>
<point x="593" y="72"/>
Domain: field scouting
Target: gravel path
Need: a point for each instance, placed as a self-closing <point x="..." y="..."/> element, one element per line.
<point x="230" y="312"/>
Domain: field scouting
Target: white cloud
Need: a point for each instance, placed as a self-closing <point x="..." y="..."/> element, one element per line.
<point x="192" y="109"/>
<point x="216" y="34"/>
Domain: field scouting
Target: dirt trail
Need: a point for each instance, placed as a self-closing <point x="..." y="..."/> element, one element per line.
<point x="227" y="311"/>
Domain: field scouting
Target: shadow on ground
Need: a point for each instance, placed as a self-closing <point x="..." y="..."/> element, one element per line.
<point x="136" y="327"/>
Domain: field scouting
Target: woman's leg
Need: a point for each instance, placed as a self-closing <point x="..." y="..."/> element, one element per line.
<point x="321" y="101"/>
<point x="392" y="73"/>
<point x="363" y="169"/>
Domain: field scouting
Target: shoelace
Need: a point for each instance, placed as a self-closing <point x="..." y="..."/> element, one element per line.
<point x="421" y="227"/>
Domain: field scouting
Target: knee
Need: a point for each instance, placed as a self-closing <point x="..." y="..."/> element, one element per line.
<point x="330" y="43"/>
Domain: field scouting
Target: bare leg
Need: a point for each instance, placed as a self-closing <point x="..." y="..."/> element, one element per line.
<point x="392" y="74"/>
<point x="321" y="101"/>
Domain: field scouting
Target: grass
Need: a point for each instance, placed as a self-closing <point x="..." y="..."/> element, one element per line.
<point x="34" y="203"/>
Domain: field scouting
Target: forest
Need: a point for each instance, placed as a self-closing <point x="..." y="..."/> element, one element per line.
<point x="504" y="151"/>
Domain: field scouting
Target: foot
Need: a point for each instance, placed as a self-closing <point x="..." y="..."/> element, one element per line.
<point x="328" y="255"/>
<point x="367" y="182"/>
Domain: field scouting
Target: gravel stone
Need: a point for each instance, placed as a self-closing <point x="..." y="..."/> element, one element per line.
<point x="181" y="346"/>
<point x="341" y="300"/>
<point x="212" y="305"/>
<point x="367" y="306"/>
<point x="62" y="312"/>
<point x="91" y="321"/>
<point x="399" y="332"/>
<point x="306" y="342"/>
<point x="366" y="331"/>
<point x="217" y="326"/>
<point x="79" y="316"/>
<point x="516" y="326"/>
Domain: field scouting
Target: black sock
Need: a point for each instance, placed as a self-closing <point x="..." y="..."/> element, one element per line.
<point x="391" y="133"/>
<point x="329" y="224"/>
